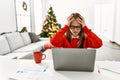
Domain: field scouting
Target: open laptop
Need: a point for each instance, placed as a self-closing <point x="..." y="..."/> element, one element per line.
<point x="73" y="59"/>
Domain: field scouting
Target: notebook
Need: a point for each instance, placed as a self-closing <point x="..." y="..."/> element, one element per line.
<point x="73" y="59"/>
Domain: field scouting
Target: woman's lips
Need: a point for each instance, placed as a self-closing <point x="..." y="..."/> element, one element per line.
<point x="75" y="32"/>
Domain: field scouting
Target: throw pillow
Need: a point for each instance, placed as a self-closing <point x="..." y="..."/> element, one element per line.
<point x="34" y="37"/>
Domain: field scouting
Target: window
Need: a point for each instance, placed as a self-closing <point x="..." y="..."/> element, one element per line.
<point x="23" y="14"/>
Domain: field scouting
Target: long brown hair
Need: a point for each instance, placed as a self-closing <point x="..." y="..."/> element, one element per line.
<point x="81" y="34"/>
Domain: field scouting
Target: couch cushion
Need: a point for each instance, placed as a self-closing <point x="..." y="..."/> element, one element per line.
<point x="4" y="46"/>
<point x="26" y="38"/>
<point x="18" y="55"/>
<point x="38" y="46"/>
<point x="15" y="40"/>
<point x="34" y="37"/>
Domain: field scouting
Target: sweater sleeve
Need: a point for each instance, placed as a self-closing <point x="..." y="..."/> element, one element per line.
<point x="57" y="39"/>
<point x="92" y="40"/>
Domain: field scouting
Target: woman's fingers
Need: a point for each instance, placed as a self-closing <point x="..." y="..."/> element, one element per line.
<point x="70" y="17"/>
<point x="69" y="21"/>
<point x="79" y="20"/>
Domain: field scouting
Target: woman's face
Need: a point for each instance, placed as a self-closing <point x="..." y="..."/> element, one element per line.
<point x="75" y="28"/>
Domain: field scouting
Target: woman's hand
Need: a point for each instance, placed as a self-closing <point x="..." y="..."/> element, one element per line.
<point x="81" y="20"/>
<point x="70" y="19"/>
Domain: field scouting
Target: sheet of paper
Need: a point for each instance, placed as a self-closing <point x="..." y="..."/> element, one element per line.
<point x="113" y="66"/>
<point x="31" y="71"/>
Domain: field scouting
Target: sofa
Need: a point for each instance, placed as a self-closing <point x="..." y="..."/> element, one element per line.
<point x="18" y="45"/>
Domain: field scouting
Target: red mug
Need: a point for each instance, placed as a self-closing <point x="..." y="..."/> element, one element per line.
<point x="39" y="56"/>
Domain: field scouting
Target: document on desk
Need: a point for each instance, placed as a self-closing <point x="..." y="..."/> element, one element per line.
<point x="31" y="71"/>
<point x="113" y="66"/>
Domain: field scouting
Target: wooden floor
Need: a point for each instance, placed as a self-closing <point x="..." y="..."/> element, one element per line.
<point x="109" y="51"/>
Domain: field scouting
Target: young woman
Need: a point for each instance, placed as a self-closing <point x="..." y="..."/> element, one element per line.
<point x="75" y="34"/>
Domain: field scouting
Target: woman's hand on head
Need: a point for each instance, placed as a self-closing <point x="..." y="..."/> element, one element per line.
<point x="70" y="19"/>
<point x="81" y="20"/>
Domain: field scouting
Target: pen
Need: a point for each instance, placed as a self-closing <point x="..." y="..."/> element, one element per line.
<point x="45" y="68"/>
<point x="98" y="69"/>
<point x="19" y="71"/>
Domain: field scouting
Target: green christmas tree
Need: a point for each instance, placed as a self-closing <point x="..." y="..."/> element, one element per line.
<point x="50" y="25"/>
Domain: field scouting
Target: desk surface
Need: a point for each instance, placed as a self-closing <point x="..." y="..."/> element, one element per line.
<point x="9" y="69"/>
<point x="33" y="71"/>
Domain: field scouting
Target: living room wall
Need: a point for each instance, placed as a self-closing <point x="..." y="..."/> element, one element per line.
<point x="63" y="8"/>
<point x="7" y="16"/>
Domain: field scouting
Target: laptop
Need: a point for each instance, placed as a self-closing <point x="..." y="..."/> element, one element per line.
<point x="73" y="59"/>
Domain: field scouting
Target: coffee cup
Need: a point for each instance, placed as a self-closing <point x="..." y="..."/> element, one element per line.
<point x="39" y="56"/>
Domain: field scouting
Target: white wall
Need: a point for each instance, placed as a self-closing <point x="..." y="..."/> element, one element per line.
<point x="7" y="16"/>
<point x="32" y="16"/>
<point x="117" y="22"/>
<point x="38" y="11"/>
<point x="63" y="8"/>
<point x="104" y="20"/>
<point x="38" y="16"/>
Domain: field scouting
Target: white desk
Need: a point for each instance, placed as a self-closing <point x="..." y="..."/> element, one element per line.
<point x="34" y="72"/>
<point x="8" y="67"/>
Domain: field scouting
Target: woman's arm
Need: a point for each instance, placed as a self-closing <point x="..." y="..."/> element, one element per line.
<point x="92" y="40"/>
<point x="57" y="39"/>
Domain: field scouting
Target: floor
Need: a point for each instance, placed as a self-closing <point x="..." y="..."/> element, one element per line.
<point x="109" y="51"/>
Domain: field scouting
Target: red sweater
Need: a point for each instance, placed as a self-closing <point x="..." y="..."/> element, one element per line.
<point x="60" y="40"/>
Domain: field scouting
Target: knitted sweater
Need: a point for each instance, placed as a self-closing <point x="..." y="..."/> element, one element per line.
<point x="60" y="40"/>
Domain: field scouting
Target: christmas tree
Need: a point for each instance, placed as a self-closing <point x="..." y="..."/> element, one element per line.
<point x="50" y="25"/>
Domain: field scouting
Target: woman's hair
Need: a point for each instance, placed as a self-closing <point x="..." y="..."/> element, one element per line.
<point x="81" y="34"/>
